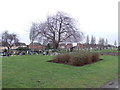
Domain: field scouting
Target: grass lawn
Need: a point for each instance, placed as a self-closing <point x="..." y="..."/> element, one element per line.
<point x="26" y="71"/>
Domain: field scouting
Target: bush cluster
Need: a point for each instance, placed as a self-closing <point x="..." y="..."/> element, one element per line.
<point x="78" y="58"/>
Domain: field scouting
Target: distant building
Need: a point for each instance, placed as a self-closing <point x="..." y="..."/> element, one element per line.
<point x="62" y="46"/>
<point x="68" y="46"/>
<point x="22" y="45"/>
<point x="36" y="46"/>
<point x="2" y="48"/>
<point x="15" y="46"/>
<point x="79" y="45"/>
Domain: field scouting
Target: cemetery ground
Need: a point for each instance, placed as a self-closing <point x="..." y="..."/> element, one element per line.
<point x="33" y="71"/>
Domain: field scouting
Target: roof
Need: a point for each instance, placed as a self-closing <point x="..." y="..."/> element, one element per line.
<point x="20" y="44"/>
<point x="35" y="44"/>
<point x="62" y="44"/>
<point x="69" y="44"/>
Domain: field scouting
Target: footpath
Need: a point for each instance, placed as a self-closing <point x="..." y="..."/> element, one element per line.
<point x="112" y="84"/>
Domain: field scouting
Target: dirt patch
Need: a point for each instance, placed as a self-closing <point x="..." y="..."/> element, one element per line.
<point x="54" y="61"/>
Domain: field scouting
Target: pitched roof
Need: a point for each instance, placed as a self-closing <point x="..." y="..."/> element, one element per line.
<point x="20" y="44"/>
<point x="35" y="44"/>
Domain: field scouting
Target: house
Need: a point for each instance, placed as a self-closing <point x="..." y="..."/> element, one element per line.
<point x="68" y="46"/>
<point x="13" y="48"/>
<point x="79" y="45"/>
<point x="2" y="48"/>
<point x="36" y="46"/>
<point x="62" y="46"/>
<point x="22" y="45"/>
<point x="16" y="45"/>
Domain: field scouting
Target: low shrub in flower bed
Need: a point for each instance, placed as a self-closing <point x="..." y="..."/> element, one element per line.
<point x="77" y="58"/>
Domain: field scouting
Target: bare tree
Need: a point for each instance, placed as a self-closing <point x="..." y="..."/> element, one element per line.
<point x="93" y="41"/>
<point x="34" y="31"/>
<point x="106" y="42"/>
<point x="101" y="43"/>
<point x="56" y="29"/>
<point x="115" y="43"/>
<point x="87" y="40"/>
<point x="9" y="40"/>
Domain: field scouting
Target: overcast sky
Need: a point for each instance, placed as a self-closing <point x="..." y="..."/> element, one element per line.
<point x="95" y="17"/>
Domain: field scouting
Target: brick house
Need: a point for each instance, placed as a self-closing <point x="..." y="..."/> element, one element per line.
<point x="62" y="46"/>
<point x="36" y="46"/>
<point x="15" y="46"/>
<point x="68" y="46"/>
<point x="79" y="45"/>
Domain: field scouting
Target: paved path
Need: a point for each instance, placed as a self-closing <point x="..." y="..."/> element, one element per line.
<point x="112" y="84"/>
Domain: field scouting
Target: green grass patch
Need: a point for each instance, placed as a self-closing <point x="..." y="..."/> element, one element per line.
<point x="35" y="72"/>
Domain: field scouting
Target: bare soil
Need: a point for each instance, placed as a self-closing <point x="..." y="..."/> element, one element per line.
<point x="54" y="61"/>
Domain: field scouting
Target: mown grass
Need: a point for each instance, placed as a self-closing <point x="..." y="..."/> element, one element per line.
<point x="35" y="72"/>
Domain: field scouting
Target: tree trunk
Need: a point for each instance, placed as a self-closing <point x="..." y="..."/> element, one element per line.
<point x="55" y="45"/>
<point x="8" y="52"/>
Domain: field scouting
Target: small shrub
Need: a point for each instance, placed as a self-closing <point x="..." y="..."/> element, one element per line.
<point x="87" y="59"/>
<point x="62" y="58"/>
<point x="76" y="61"/>
<point x="95" y="57"/>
